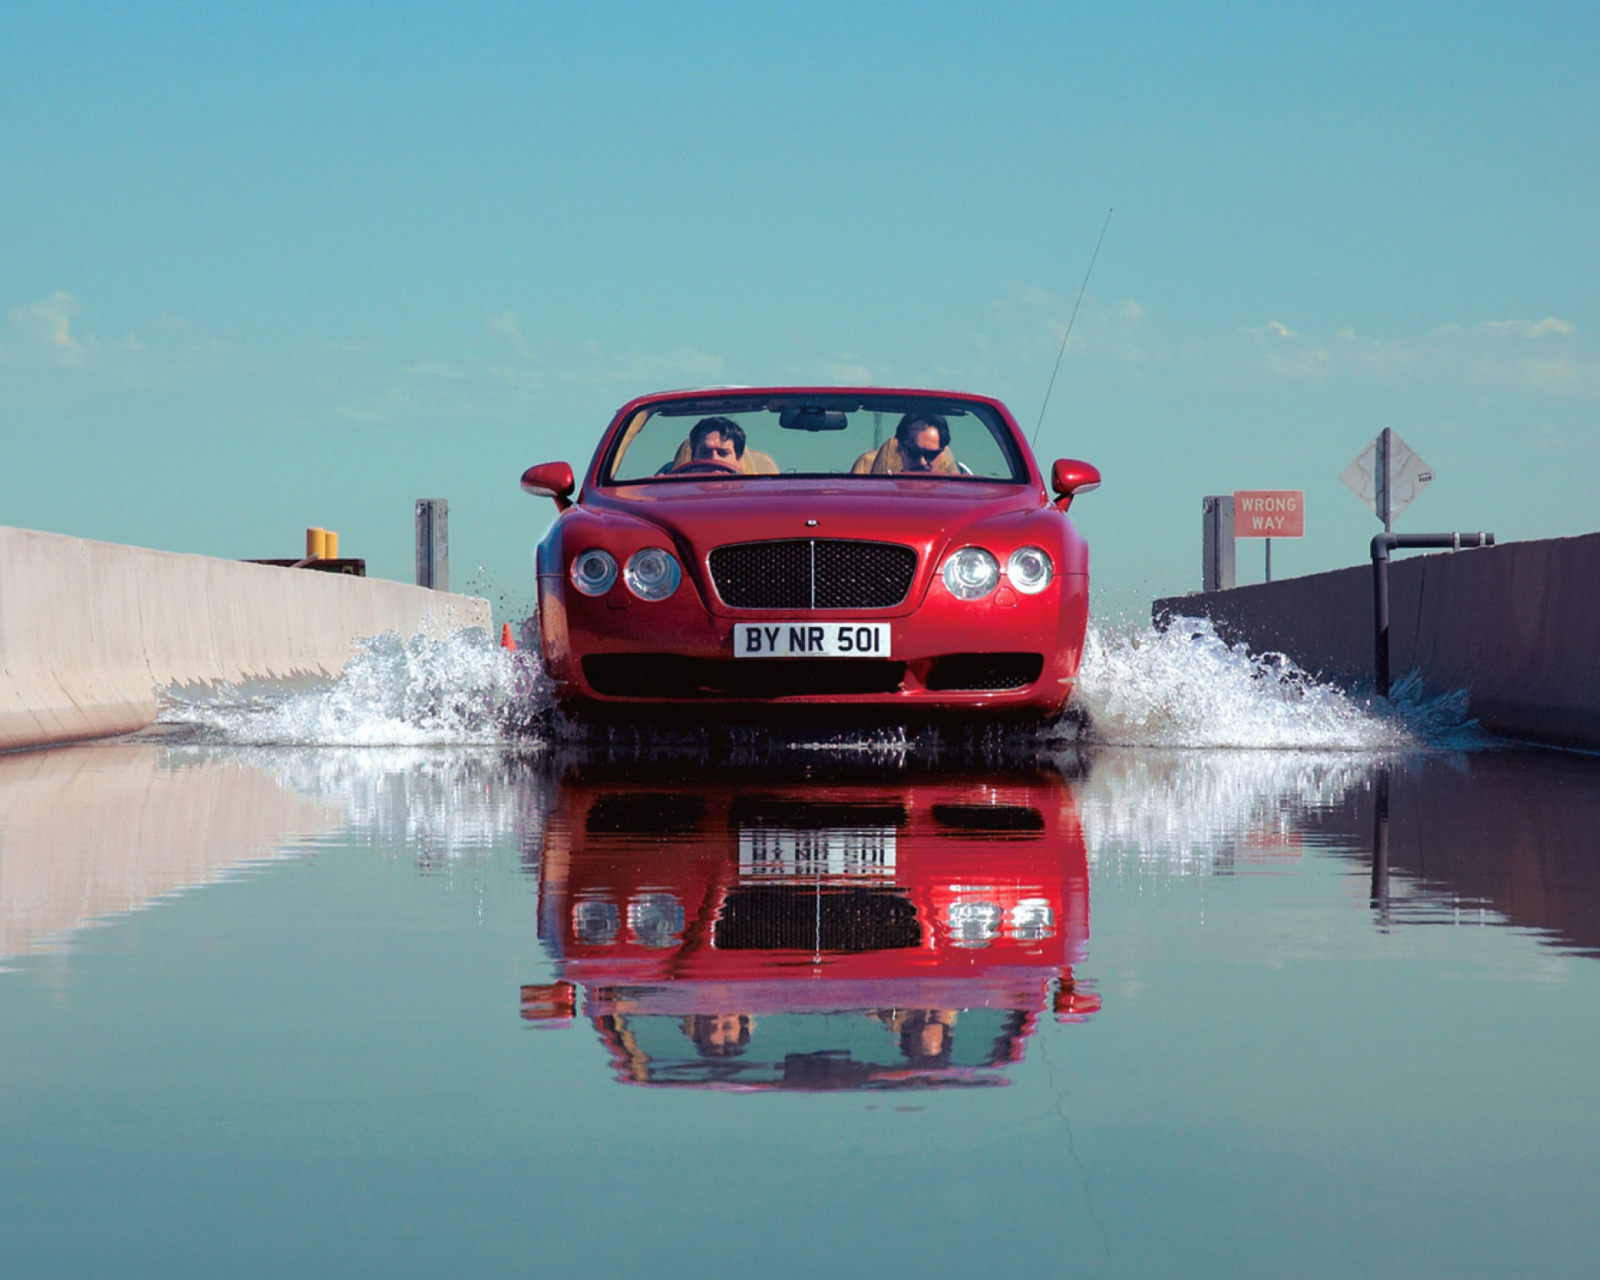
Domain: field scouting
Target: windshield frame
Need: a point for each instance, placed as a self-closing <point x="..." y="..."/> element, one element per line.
<point x="694" y="404"/>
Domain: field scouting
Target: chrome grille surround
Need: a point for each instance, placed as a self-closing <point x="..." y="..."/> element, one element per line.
<point x="812" y="573"/>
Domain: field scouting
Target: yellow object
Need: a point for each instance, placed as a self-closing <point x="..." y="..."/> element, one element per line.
<point x="331" y="551"/>
<point x="316" y="544"/>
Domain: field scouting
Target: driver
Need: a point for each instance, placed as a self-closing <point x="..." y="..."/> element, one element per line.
<point x="719" y="441"/>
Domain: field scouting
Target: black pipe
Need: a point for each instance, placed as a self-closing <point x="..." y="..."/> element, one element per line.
<point x="1382" y="545"/>
<point x="1380" y="845"/>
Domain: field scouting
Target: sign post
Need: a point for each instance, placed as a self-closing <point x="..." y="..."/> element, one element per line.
<point x="1269" y="514"/>
<point x="1216" y="556"/>
<point x="433" y="543"/>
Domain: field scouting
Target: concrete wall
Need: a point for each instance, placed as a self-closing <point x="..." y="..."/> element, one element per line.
<point x="90" y="631"/>
<point x="91" y="832"/>
<point x="1517" y="625"/>
<point x="1496" y="828"/>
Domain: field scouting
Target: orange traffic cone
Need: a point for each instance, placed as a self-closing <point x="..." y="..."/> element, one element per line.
<point x="507" y="641"/>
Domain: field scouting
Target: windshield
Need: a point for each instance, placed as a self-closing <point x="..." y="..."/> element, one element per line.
<point x="755" y="437"/>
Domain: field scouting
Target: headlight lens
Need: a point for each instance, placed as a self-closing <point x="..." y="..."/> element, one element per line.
<point x="593" y="572"/>
<point x="1029" y="570"/>
<point x="1032" y="920"/>
<point x="971" y="573"/>
<point x="974" y="924"/>
<point x="595" y="923"/>
<point x="656" y="919"/>
<point x="652" y="574"/>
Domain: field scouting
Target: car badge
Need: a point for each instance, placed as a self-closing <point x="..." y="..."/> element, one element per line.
<point x="811" y="524"/>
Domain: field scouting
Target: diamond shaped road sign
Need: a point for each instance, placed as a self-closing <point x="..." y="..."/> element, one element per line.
<point x="1409" y="475"/>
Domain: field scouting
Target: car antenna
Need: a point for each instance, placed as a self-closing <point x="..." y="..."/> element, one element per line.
<point x="1068" y="333"/>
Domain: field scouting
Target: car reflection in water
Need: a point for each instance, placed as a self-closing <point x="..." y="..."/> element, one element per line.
<point x="860" y="935"/>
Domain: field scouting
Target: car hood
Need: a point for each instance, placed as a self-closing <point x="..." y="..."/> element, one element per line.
<point x="926" y="515"/>
<point x="706" y="514"/>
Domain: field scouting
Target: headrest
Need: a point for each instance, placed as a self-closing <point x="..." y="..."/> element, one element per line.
<point x="752" y="462"/>
<point x="889" y="460"/>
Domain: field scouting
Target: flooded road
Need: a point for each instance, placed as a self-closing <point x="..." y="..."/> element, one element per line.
<point x="285" y="1010"/>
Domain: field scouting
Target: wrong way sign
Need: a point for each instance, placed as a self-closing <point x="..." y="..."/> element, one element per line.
<point x="1269" y="513"/>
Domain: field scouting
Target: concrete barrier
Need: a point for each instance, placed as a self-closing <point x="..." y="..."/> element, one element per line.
<point x="1517" y="626"/>
<point x="91" y="832"/>
<point x="1496" y="829"/>
<point x="91" y="631"/>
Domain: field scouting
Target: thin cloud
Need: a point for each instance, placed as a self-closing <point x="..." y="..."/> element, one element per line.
<point x="1527" y="328"/>
<point x="508" y="326"/>
<point x="1487" y="353"/>
<point x="848" y="370"/>
<point x="48" y="322"/>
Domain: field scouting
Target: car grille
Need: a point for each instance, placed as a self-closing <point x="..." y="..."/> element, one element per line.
<point x="773" y="917"/>
<point x="984" y="672"/>
<point x="668" y="675"/>
<point x="813" y="573"/>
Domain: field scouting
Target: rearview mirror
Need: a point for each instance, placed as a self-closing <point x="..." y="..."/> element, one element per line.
<point x="550" y="480"/>
<point x="813" y="418"/>
<point x="1069" y="478"/>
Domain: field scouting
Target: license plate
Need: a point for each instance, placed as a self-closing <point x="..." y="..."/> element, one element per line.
<point x="774" y="853"/>
<point x="811" y="640"/>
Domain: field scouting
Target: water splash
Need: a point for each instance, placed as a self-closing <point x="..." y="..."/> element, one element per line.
<point x="1195" y="813"/>
<point x="460" y="689"/>
<point x="1187" y="687"/>
<point x="439" y="804"/>
<point x="1179" y="688"/>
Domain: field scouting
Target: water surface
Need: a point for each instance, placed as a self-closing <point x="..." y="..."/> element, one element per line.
<point x="481" y="1010"/>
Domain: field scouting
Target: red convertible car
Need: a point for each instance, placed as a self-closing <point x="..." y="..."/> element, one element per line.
<point x="803" y="545"/>
<point x="754" y="933"/>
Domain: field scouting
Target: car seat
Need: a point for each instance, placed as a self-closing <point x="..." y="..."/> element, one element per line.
<point x="887" y="460"/>
<point x="753" y="462"/>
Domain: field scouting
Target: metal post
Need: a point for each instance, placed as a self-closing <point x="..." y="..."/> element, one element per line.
<point x="1268" y="541"/>
<point x="1217" y="561"/>
<point x="433" y="543"/>
<point x="1382" y="545"/>
<point x="1380" y="845"/>
<point x="1380" y="613"/>
<point x="1380" y="476"/>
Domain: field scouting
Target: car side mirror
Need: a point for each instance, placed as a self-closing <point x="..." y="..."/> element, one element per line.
<point x="1069" y="478"/>
<point x="550" y="480"/>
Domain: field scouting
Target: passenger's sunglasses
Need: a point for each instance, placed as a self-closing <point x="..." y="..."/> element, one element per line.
<point x="927" y="455"/>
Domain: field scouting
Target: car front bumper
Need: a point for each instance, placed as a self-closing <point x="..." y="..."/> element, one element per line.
<point x="1005" y="653"/>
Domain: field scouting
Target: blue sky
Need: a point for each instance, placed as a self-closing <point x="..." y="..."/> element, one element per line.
<point x="303" y="264"/>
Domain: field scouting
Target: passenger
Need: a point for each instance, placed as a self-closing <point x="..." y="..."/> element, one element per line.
<point x="718" y="1035"/>
<point x="927" y="1037"/>
<point x="922" y="438"/>
<point x="921" y="446"/>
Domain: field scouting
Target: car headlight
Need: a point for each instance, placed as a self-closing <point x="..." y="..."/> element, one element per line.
<point x="1029" y="570"/>
<point x="971" y="573"/>
<point x="593" y="572"/>
<point x="656" y="919"/>
<point x="595" y="923"/>
<point x="974" y="924"/>
<point x="1032" y="920"/>
<point x="652" y="574"/>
